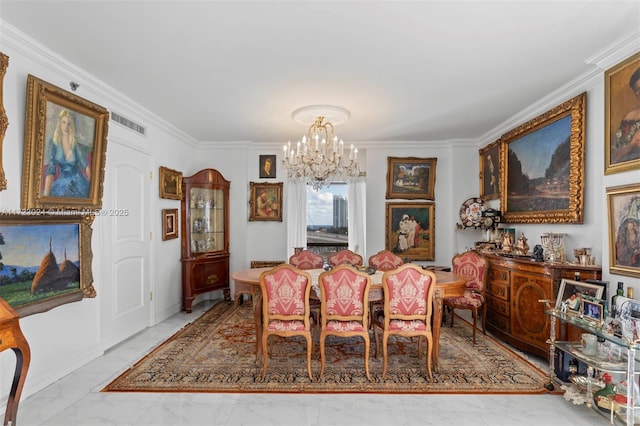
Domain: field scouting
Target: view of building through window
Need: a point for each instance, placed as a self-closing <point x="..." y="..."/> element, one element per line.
<point x="327" y="217"/>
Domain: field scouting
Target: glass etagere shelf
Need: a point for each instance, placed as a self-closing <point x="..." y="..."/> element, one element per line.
<point x="593" y="327"/>
<point x="621" y="360"/>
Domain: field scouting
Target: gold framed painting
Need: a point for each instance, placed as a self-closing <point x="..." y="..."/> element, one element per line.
<point x="410" y="230"/>
<point x="265" y="201"/>
<point x="622" y="116"/>
<point x="169" y="224"/>
<point x="624" y="229"/>
<point x="542" y="167"/>
<point x="4" y="121"/>
<point x="490" y="171"/>
<point x="65" y="147"/>
<point x="411" y="178"/>
<point x="47" y="261"/>
<point x="170" y="183"/>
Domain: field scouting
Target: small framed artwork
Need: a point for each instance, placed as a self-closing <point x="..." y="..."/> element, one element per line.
<point x="267" y="167"/>
<point x="170" y="184"/>
<point x="612" y="326"/>
<point x="629" y="316"/>
<point x="624" y="229"/>
<point x="169" y="224"/>
<point x="622" y="126"/>
<point x="411" y="178"/>
<point x="410" y="230"/>
<point x="265" y="202"/>
<point x="592" y="311"/>
<point x="572" y="293"/>
<point x="542" y="167"/>
<point x="65" y="148"/>
<point x="46" y="261"/>
<point x="490" y="171"/>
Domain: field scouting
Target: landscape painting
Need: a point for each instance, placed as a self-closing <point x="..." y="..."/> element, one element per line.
<point x="43" y="263"/>
<point x="542" y="174"/>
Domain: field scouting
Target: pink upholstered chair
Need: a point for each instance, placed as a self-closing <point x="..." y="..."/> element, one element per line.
<point x="408" y="306"/>
<point x="285" y="308"/>
<point x="345" y="256"/>
<point x="385" y="260"/>
<point x="307" y="260"/>
<point x="344" y="293"/>
<point x="474" y="268"/>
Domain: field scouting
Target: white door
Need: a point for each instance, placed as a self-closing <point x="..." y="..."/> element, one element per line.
<point x="125" y="253"/>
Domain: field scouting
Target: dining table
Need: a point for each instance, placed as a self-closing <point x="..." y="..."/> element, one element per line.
<point x="247" y="281"/>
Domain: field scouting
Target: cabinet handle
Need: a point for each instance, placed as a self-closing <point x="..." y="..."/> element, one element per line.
<point x="212" y="279"/>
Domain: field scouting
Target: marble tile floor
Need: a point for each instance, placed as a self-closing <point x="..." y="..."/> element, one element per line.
<point x="76" y="400"/>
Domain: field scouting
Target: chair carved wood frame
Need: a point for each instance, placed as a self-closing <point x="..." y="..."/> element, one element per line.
<point x="345" y="257"/>
<point x="344" y="294"/>
<point x="306" y="259"/>
<point x="408" y="307"/>
<point x="385" y="260"/>
<point x="285" y="308"/>
<point x="474" y="268"/>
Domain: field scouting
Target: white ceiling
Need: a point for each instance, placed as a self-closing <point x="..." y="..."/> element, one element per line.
<point x="407" y="71"/>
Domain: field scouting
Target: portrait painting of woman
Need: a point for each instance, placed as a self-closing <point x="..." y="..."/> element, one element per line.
<point x="623" y="116"/>
<point x="624" y="222"/>
<point x="67" y="154"/>
<point x="65" y="148"/>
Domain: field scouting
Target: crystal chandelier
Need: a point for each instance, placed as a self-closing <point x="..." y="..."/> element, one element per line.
<point x="319" y="157"/>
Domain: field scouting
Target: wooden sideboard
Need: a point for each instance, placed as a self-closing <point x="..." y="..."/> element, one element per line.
<point x="514" y="287"/>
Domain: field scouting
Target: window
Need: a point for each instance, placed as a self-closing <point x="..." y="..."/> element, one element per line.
<point x="327" y="218"/>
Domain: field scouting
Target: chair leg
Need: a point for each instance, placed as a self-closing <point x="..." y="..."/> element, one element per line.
<point x="367" y="345"/>
<point x="429" y="353"/>
<point x="376" y="354"/>
<point x="265" y="354"/>
<point x="322" y="355"/>
<point x="474" y="313"/>
<point x="452" y="313"/>
<point x="484" y="317"/>
<point x="385" y="340"/>
<point x="309" y="352"/>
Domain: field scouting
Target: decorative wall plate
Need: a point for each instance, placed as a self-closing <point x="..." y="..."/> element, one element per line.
<point x="471" y="212"/>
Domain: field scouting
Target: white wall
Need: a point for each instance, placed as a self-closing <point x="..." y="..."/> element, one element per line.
<point x="69" y="336"/>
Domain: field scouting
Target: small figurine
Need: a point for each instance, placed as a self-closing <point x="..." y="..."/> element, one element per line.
<point x="538" y="253"/>
<point x="507" y="242"/>
<point x="522" y="247"/>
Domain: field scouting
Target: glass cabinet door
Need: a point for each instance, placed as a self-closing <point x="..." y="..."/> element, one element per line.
<point x="207" y="220"/>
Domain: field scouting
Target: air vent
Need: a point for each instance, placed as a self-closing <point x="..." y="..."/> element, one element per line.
<point x="128" y="123"/>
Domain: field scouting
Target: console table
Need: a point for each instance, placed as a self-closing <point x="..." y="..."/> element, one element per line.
<point x="514" y="287"/>
<point x="11" y="337"/>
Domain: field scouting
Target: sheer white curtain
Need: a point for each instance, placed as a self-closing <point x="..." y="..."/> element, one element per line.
<point x="296" y="216"/>
<point x="357" y="216"/>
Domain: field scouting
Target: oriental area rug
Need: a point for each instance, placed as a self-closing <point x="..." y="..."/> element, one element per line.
<point x="216" y="353"/>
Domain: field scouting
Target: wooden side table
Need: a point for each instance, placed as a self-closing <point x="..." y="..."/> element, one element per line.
<point x="11" y="337"/>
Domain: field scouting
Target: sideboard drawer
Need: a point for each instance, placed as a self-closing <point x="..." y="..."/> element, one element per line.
<point x="499" y="275"/>
<point x="499" y="290"/>
<point x="500" y="322"/>
<point x="497" y="305"/>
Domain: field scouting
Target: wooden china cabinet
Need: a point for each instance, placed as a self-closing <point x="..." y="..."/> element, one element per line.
<point x="205" y="235"/>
